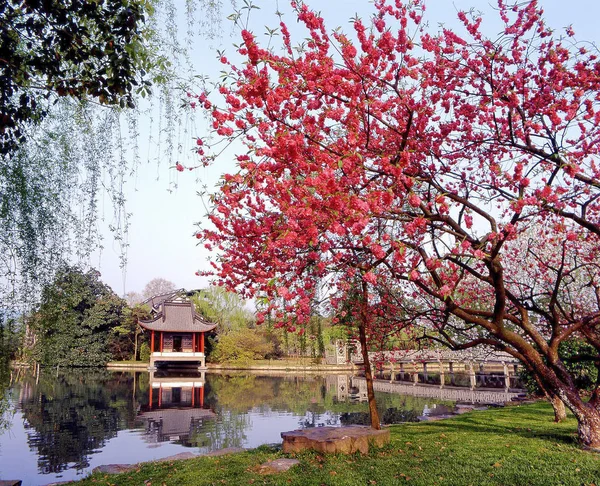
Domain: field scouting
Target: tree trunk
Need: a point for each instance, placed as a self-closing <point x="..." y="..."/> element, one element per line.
<point x="588" y="419"/>
<point x="588" y="428"/>
<point x="362" y="330"/>
<point x="135" y="344"/>
<point x="558" y="405"/>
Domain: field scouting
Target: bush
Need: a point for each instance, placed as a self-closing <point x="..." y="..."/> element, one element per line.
<point x="241" y="345"/>
<point x="145" y="352"/>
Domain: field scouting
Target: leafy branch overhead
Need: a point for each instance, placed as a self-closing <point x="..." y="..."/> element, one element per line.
<point x="75" y="48"/>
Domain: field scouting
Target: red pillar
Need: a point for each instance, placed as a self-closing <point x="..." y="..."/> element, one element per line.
<point x="159" y="396"/>
<point x="150" y="395"/>
<point x="201" y="397"/>
<point x="193" y="342"/>
<point x="152" y="342"/>
<point x="193" y="394"/>
<point x="161" y="341"/>
<point x="202" y="342"/>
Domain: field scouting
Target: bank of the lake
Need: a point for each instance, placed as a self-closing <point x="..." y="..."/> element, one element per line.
<point x="515" y="445"/>
<point x="271" y="365"/>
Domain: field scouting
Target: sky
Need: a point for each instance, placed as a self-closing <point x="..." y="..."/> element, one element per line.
<point x="164" y="204"/>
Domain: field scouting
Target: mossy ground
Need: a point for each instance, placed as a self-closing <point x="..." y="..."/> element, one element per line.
<point x="516" y="445"/>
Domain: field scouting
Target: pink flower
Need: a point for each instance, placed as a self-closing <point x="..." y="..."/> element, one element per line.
<point x="179" y="167"/>
<point x="414" y="200"/>
<point x="370" y="277"/>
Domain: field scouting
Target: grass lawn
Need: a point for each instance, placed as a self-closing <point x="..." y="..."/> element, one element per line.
<point x="516" y="445"/>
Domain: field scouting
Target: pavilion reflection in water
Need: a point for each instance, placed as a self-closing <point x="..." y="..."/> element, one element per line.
<point x="175" y="408"/>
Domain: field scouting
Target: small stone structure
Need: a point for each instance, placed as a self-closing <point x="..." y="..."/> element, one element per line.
<point x="344" y="440"/>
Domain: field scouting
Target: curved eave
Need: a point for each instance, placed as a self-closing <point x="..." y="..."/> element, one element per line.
<point x="159" y="325"/>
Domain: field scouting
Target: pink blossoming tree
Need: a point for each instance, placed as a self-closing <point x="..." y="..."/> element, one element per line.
<point x="450" y="168"/>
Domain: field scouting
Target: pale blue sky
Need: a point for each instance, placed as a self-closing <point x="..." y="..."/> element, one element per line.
<point x="162" y="225"/>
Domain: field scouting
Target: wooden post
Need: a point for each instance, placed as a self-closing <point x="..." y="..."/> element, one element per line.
<point x="162" y="335"/>
<point x="193" y="390"/>
<point x="152" y="342"/>
<point x="506" y="377"/>
<point x="415" y="374"/>
<point x="201" y="397"/>
<point x="159" y="395"/>
<point x="442" y="374"/>
<point x="150" y="397"/>
<point x="193" y="342"/>
<point x="202" y="342"/>
<point x="391" y="372"/>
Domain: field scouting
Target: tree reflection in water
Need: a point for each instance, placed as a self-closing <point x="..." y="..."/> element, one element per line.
<point x="6" y="411"/>
<point x="70" y="416"/>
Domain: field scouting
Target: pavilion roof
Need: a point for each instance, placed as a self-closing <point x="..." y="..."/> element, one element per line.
<point x="178" y="316"/>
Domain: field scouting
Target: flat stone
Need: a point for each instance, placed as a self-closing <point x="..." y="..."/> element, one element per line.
<point x="344" y="440"/>
<point x="178" y="457"/>
<point x="114" y="468"/>
<point x="223" y="452"/>
<point x="10" y="482"/>
<point x="277" y="466"/>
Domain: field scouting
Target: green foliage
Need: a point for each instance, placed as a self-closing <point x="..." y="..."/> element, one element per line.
<point x="145" y="352"/>
<point x="76" y="318"/>
<point x="69" y="73"/>
<point x="124" y="344"/>
<point x="579" y="358"/>
<point x="226" y="309"/>
<point x="241" y="345"/>
<point x="11" y="336"/>
<point x="70" y="48"/>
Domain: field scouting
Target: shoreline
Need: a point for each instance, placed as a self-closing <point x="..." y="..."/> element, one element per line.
<point x="233" y="367"/>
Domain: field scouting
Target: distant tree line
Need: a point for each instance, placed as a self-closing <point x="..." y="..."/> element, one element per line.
<point x="81" y="322"/>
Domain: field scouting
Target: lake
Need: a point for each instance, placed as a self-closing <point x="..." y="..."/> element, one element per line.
<point x="58" y="427"/>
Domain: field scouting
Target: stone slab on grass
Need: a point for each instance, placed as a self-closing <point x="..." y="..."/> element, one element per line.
<point x="178" y="457"/>
<point x="277" y="466"/>
<point x="344" y="440"/>
<point x="114" y="468"/>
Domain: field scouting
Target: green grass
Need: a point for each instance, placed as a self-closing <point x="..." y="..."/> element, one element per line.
<point x="517" y="445"/>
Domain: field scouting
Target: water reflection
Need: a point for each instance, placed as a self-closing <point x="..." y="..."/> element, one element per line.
<point x="65" y="424"/>
<point x="175" y="410"/>
<point x="69" y="416"/>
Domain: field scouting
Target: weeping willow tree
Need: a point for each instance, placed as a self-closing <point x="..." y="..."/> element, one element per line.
<point x="63" y="172"/>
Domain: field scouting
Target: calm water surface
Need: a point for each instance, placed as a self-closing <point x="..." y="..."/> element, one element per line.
<point x="59" y="427"/>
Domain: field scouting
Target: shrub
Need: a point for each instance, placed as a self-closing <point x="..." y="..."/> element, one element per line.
<point x="241" y="345"/>
<point x="145" y="352"/>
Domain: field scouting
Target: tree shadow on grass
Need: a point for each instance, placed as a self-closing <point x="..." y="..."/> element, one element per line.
<point x="534" y="422"/>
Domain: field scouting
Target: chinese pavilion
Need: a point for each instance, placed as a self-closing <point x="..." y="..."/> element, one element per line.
<point x="177" y="334"/>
